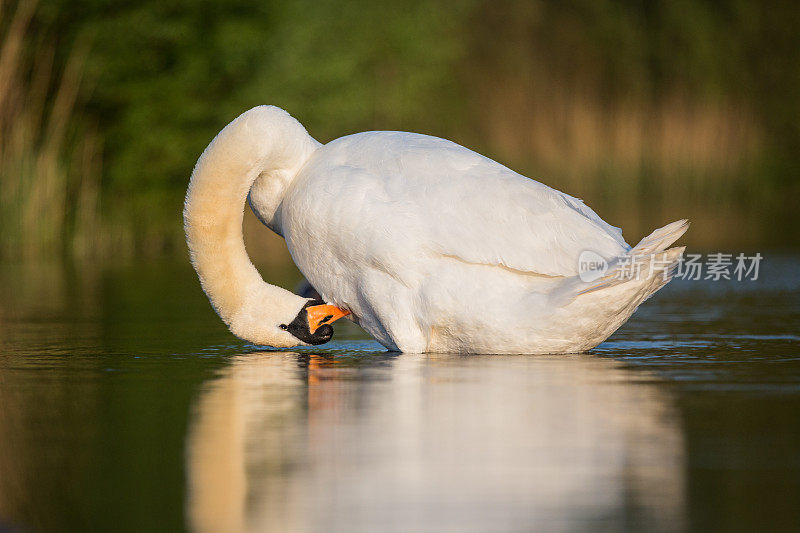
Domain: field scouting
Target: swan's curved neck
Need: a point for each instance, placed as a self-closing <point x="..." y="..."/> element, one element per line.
<point x="265" y="144"/>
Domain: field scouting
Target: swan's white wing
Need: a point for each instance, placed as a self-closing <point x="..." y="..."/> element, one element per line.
<point x="470" y="207"/>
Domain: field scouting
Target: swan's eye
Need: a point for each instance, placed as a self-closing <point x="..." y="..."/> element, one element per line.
<point x="283" y="326"/>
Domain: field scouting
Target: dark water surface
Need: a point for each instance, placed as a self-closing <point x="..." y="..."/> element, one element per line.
<point x="126" y="406"/>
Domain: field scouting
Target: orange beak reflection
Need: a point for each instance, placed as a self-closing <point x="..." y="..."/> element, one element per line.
<point x="319" y="315"/>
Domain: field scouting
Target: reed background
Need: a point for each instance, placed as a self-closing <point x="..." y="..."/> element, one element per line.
<point x="649" y="111"/>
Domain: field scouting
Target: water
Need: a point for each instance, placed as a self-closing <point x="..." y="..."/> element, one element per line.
<point x="126" y="406"/>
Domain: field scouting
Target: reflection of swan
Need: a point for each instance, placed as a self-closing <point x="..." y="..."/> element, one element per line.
<point x="284" y="443"/>
<point x="432" y="247"/>
<point x="252" y="416"/>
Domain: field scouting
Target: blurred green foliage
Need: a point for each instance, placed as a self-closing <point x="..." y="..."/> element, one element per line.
<point x="168" y="75"/>
<point x="164" y="76"/>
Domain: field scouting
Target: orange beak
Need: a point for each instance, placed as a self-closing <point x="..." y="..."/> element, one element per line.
<point x="319" y="315"/>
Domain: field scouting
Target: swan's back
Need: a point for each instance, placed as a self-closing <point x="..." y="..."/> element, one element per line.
<point x="416" y="190"/>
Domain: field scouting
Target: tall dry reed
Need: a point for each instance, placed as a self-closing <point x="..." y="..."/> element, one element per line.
<point x="49" y="167"/>
<point x="640" y="161"/>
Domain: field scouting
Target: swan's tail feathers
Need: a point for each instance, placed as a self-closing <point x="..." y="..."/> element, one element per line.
<point x="656" y="269"/>
<point x="650" y="259"/>
<point x="661" y="238"/>
<point x="644" y="269"/>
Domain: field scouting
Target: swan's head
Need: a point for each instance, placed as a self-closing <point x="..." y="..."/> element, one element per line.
<point x="312" y="325"/>
<point x="286" y="326"/>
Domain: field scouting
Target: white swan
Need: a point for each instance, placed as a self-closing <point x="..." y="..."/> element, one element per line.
<point x="431" y="246"/>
